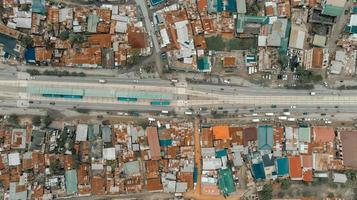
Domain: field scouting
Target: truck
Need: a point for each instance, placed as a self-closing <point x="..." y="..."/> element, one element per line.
<point x="282" y="118"/>
<point x="269" y="114"/>
<point x="255" y="120"/>
<point x="312" y="93"/>
<point x="165" y="112"/>
<point x="286" y="113"/>
<point x="188" y="113"/>
<point x="291" y="119"/>
<point x="102" y="81"/>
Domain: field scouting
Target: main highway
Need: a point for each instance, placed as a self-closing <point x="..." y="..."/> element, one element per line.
<point x="15" y="91"/>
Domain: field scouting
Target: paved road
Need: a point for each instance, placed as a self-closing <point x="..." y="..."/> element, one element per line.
<point x="182" y="98"/>
<point x="150" y="29"/>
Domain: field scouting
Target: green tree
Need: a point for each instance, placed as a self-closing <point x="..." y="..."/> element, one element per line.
<point x="56" y="167"/>
<point x="283" y="60"/>
<point x="134" y="58"/>
<point x="215" y="43"/>
<point x="36" y="120"/>
<point x="47" y="120"/>
<point x="13" y="119"/>
<point x="285" y="184"/>
<point x="33" y="72"/>
<point x="77" y="38"/>
<point x="64" y="35"/>
<point x="267" y="192"/>
<point x="26" y="41"/>
<point x="331" y="195"/>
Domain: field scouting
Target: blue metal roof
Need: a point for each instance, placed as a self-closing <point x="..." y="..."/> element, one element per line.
<point x="282" y="166"/>
<point x="38" y="6"/>
<point x="30" y="55"/>
<point x="258" y="171"/>
<point x="9" y="45"/>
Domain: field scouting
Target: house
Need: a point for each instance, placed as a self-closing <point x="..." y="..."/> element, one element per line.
<point x="349" y="148"/>
<point x="295" y="170"/>
<point x="71" y="181"/>
<point x="258" y="171"/>
<point x="265" y="137"/>
<point x="333" y="8"/>
<point x="221" y="132"/>
<point x="269" y="165"/>
<point x="18" y="139"/>
<point x="153" y="140"/>
<point x="323" y="134"/>
<point x="282" y="166"/>
<point x="81" y="132"/>
<point x="304" y="134"/>
<point x="339" y="178"/>
<point x="249" y="135"/>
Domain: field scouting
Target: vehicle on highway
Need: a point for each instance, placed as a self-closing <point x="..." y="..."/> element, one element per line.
<point x="52" y="103"/>
<point x="291" y="119"/>
<point x="269" y="114"/>
<point x="30" y="101"/>
<point x="32" y="78"/>
<point x="188" y="113"/>
<point x="282" y="118"/>
<point x="286" y="113"/>
<point x="254" y="114"/>
<point x="255" y="120"/>
<point x="174" y="80"/>
<point x="165" y="112"/>
<point x="102" y="81"/>
<point x="293" y="106"/>
<point x="227" y="81"/>
<point x="312" y="93"/>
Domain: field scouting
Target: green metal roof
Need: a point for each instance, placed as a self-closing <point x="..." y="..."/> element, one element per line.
<point x="71" y="181"/>
<point x="304" y="134"/>
<point x="265" y="137"/>
<point x="257" y="19"/>
<point x="225" y="181"/>
<point x="203" y="64"/>
<point x="92" y="23"/>
<point x="331" y="10"/>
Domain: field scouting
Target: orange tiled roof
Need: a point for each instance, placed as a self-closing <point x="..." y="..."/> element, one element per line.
<point x="43" y="54"/>
<point x="229" y="61"/>
<point x="201" y="5"/>
<point x="98" y="185"/>
<point x="307" y="177"/>
<point x="295" y="167"/>
<point x="317" y="57"/>
<point x="221" y="132"/>
<point x="153" y="184"/>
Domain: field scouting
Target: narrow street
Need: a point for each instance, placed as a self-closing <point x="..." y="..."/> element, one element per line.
<point x="198" y="156"/>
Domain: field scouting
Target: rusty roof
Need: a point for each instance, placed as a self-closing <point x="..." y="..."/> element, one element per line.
<point x="104" y="13"/>
<point x="136" y="39"/>
<point x="153" y="141"/>
<point x="306" y="161"/>
<point x="98" y="184"/>
<point x="249" y="134"/>
<point x="153" y="184"/>
<point x="83" y="56"/>
<point x="323" y="134"/>
<point x="229" y="61"/>
<point x="317" y="57"/>
<point x="349" y="148"/>
<point x="236" y="134"/>
<point x="307" y="176"/>
<point x="100" y="40"/>
<point x="43" y="54"/>
<point x="207" y="137"/>
<point x="52" y="15"/>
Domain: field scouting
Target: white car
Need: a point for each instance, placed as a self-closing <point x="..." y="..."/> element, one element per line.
<point x="293" y="106"/>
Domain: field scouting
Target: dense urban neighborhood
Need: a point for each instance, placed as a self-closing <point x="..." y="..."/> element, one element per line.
<point x="187" y="99"/>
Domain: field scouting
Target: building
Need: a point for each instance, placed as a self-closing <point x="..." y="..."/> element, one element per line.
<point x="295" y="170"/>
<point x="221" y="132"/>
<point x="265" y="137"/>
<point x="323" y="134"/>
<point x="349" y="148"/>
<point x="333" y="8"/>
<point x="153" y="140"/>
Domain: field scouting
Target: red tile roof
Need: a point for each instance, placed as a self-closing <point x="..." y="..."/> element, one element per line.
<point x="295" y="167"/>
<point x="307" y="177"/>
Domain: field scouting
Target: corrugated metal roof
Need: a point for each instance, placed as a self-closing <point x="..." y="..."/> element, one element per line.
<point x="71" y="181"/>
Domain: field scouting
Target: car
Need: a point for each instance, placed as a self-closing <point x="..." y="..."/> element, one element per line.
<point x="52" y="103"/>
<point x="102" y="81"/>
<point x="293" y="106"/>
<point x="30" y="101"/>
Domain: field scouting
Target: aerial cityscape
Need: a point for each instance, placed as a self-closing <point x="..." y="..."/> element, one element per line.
<point x="178" y="99"/>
